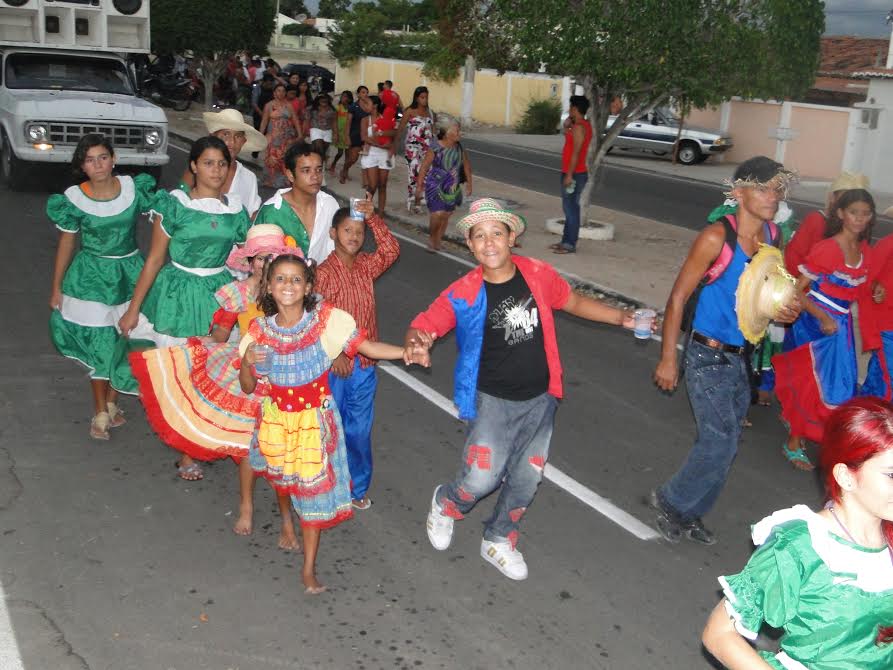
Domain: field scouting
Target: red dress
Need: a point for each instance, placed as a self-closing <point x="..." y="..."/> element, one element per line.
<point x="810" y="232"/>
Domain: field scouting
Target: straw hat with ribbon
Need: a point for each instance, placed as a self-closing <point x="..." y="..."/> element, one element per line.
<point x="763" y="288"/>
<point x="232" y="119"/>
<point x="849" y="181"/>
<point x="488" y="209"/>
<point x="264" y="239"/>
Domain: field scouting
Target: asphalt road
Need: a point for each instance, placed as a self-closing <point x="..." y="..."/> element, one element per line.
<point x="108" y="561"/>
<point x="635" y="190"/>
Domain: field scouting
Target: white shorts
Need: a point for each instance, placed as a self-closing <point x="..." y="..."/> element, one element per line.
<point x="376" y="158"/>
<point x="318" y="134"/>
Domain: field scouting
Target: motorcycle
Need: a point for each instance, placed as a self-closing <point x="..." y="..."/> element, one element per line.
<point x="168" y="90"/>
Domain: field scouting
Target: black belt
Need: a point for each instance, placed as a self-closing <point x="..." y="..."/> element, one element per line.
<point x="716" y="344"/>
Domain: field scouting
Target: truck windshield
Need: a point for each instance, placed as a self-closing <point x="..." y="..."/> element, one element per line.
<point x="73" y="73"/>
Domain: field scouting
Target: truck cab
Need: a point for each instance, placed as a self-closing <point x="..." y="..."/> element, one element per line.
<point x="59" y="81"/>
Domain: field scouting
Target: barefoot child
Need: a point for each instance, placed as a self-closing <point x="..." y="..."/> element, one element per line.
<point x="298" y="443"/>
<point x="508" y="378"/>
<point x="191" y="392"/>
<point x="345" y="280"/>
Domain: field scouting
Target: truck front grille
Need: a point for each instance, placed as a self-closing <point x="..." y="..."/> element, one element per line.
<point x="121" y="136"/>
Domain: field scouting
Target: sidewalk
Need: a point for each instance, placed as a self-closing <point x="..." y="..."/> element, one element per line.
<point x="638" y="267"/>
<point x="809" y="189"/>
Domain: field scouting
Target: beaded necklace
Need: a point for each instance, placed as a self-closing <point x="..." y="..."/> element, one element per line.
<point x="830" y="508"/>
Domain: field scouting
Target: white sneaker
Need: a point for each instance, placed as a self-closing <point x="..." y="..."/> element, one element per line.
<point x="508" y="560"/>
<point x="440" y="526"/>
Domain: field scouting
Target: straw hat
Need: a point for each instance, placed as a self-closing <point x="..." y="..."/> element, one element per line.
<point x="848" y="181"/>
<point x="264" y="239"/>
<point x="763" y="288"/>
<point x="232" y="119"/>
<point x="488" y="209"/>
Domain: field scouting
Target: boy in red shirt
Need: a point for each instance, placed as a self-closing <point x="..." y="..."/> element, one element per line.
<point x="345" y="279"/>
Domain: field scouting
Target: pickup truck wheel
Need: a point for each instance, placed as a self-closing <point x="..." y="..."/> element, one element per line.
<point x="689" y="153"/>
<point x="11" y="168"/>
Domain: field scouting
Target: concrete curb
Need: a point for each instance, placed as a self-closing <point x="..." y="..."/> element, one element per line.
<point x="578" y="283"/>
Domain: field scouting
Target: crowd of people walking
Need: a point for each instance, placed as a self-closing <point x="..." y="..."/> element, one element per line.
<point x="249" y="332"/>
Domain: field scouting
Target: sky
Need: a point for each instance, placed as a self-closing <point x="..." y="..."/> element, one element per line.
<point x="857" y="17"/>
<point x="843" y="17"/>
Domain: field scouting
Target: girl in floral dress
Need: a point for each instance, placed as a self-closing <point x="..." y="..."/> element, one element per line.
<point x="92" y="290"/>
<point x="298" y="444"/>
<point x="282" y="126"/>
<point x="175" y="300"/>
<point x="418" y="120"/>
<point x="825" y="578"/>
<point x="191" y="392"/>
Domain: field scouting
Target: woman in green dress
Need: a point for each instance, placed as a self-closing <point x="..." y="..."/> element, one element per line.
<point x="825" y="578"/>
<point x="175" y="300"/>
<point x="92" y="288"/>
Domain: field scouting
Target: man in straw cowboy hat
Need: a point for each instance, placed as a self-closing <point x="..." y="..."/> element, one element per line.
<point x="717" y="379"/>
<point x="229" y="125"/>
<point x="507" y="378"/>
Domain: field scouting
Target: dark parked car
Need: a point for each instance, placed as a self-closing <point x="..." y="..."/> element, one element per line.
<point x="313" y="73"/>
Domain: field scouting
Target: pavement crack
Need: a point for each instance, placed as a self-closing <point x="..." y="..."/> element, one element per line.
<point x="12" y="487"/>
<point x="54" y="637"/>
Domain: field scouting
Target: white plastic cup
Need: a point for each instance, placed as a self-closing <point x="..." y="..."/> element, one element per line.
<point x="263" y="355"/>
<point x="354" y="213"/>
<point x="643" y="320"/>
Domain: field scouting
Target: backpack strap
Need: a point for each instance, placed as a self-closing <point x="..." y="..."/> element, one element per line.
<point x="730" y="225"/>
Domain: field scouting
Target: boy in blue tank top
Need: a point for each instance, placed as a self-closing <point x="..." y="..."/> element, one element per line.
<point x="716" y="372"/>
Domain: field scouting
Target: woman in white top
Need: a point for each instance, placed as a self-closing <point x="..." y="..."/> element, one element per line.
<point x="229" y="125"/>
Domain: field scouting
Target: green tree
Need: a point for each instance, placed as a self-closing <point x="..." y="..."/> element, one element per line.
<point x="644" y="52"/>
<point x="293" y="7"/>
<point x="213" y="31"/>
<point x="333" y="9"/>
<point x="361" y="33"/>
<point x="300" y="29"/>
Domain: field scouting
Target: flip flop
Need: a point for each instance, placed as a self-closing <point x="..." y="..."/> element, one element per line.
<point x="798" y="458"/>
<point x="563" y="250"/>
<point x="362" y="503"/>
<point x="189" y="473"/>
<point x="314" y="590"/>
<point x="555" y="247"/>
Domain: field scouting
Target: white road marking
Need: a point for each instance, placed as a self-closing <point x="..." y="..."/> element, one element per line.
<point x="10" y="656"/>
<point x="563" y="481"/>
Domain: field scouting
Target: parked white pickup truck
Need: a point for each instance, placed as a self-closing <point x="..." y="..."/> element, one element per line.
<point x="50" y="98"/>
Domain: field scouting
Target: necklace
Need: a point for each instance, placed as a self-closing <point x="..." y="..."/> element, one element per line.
<point x="830" y="508"/>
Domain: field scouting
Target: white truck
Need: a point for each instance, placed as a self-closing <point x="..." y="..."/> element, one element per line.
<point x="64" y="73"/>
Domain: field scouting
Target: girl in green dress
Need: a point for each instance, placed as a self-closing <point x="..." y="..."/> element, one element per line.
<point x="825" y="578"/>
<point x="175" y="300"/>
<point x="91" y="289"/>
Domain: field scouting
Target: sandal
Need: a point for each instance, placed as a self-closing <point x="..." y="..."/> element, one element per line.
<point x="116" y="415"/>
<point x="563" y="250"/>
<point x="190" y="473"/>
<point x="363" y="503"/>
<point x="99" y="426"/>
<point x="798" y="457"/>
<point x="555" y="247"/>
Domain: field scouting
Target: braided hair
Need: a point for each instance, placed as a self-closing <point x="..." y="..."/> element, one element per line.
<point x="265" y="301"/>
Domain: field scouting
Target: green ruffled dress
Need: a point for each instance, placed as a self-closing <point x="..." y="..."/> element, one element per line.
<point x="181" y="302"/>
<point x="98" y="284"/>
<point x="829" y="595"/>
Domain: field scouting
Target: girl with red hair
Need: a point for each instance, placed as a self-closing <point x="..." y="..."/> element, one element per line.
<point x="825" y="578"/>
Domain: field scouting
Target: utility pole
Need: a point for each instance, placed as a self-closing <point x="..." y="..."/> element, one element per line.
<point x="889" y="20"/>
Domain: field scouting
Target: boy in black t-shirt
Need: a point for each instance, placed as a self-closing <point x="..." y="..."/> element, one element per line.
<point x="508" y="377"/>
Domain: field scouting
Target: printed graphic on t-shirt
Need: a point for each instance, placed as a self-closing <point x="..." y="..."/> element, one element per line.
<point x="518" y="321"/>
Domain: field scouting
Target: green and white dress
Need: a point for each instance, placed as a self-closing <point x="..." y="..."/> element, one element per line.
<point x="98" y="284"/>
<point x="202" y="233"/>
<point x="829" y="595"/>
<point x="181" y="302"/>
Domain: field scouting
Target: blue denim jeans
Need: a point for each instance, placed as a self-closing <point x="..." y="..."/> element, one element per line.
<point x="508" y="444"/>
<point x="719" y="392"/>
<point x="570" y="202"/>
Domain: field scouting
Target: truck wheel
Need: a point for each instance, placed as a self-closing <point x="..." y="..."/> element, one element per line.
<point x="689" y="153"/>
<point x="11" y="168"/>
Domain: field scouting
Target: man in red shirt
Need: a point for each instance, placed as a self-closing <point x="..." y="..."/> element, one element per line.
<point x="345" y="279"/>
<point x="574" y="173"/>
